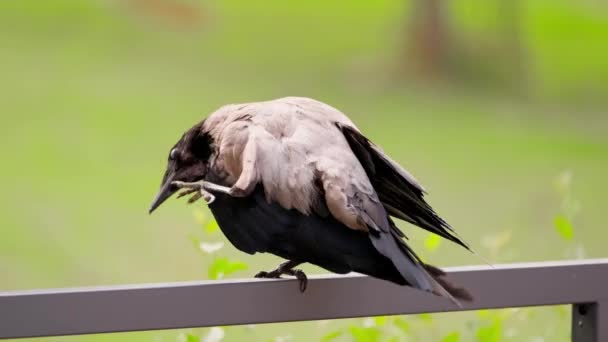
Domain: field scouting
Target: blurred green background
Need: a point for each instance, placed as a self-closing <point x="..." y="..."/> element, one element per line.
<point x="499" y="107"/>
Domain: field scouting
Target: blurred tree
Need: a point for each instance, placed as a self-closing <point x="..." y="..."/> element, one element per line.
<point x="438" y="47"/>
<point x="511" y="47"/>
<point x="177" y="13"/>
<point x="427" y="40"/>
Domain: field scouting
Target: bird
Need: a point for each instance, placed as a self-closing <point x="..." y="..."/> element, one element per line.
<point x="296" y="178"/>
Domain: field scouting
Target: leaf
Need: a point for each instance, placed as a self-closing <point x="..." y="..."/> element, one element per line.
<point x="483" y="314"/>
<point x="331" y="336"/>
<point x="563" y="227"/>
<point x="380" y="320"/>
<point x="432" y="242"/>
<point x="402" y="324"/>
<point x="365" y="334"/>
<point x="425" y="317"/>
<point x="490" y="333"/>
<point x="192" y="338"/>
<point x="212" y="227"/>
<point x="223" y="266"/>
<point x="452" y="337"/>
<point x="211" y="247"/>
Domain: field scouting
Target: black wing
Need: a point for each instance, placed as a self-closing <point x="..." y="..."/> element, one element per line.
<point x="398" y="191"/>
<point x="253" y="224"/>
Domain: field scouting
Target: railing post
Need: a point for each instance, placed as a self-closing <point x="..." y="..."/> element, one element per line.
<point x="590" y="322"/>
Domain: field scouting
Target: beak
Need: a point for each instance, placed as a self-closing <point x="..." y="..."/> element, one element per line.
<point x="166" y="190"/>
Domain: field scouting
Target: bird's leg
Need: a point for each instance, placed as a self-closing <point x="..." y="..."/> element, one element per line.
<point x="206" y="188"/>
<point x="286" y="268"/>
<point x="277" y="272"/>
<point x="199" y="189"/>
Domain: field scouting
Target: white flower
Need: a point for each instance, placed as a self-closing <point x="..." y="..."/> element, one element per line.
<point x="216" y="334"/>
<point x="283" y="338"/>
<point x="369" y="322"/>
<point x="211" y="247"/>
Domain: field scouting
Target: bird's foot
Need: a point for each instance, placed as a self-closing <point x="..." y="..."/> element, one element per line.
<point x="301" y="276"/>
<point x="197" y="194"/>
<point x="268" y="275"/>
<point x="200" y="189"/>
<point x="277" y="273"/>
<point x="205" y="188"/>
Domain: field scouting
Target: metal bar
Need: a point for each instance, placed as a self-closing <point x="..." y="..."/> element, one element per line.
<point x="213" y="303"/>
<point x="590" y="322"/>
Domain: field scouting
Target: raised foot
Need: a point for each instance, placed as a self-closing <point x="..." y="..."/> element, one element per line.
<point x="204" y="190"/>
<point x="200" y="189"/>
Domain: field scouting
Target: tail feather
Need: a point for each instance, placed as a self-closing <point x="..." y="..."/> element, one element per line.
<point x="406" y="264"/>
<point x="456" y="291"/>
<point x="435" y="276"/>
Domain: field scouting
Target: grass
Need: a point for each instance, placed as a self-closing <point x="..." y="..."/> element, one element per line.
<point x="94" y="95"/>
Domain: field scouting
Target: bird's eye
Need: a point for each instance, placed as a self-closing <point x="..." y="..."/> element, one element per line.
<point x="173" y="154"/>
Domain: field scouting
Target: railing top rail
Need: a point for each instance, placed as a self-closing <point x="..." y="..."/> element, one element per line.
<point x="210" y="303"/>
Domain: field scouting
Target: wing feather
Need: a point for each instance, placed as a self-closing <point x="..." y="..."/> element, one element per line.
<point x="400" y="193"/>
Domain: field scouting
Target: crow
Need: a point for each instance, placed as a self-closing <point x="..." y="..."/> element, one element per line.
<point x="295" y="177"/>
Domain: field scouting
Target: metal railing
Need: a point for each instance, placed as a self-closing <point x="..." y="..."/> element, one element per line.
<point x="584" y="284"/>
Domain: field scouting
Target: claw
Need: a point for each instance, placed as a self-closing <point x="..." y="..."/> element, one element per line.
<point x="199" y="188"/>
<point x="186" y="192"/>
<point x="286" y="268"/>
<point x="208" y="197"/>
<point x="261" y="274"/>
<point x="301" y="276"/>
<point x="195" y="197"/>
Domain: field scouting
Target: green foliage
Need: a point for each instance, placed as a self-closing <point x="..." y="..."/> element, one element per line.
<point x="224" y="266"/>
<point x="563" y="227"/>
<point x="212" y="227"/>
<point x="402" y="325"/>
<point x="192" y="338"/>
<point x="451" y="337"/>
<point x="425" y="317"/>
<point x="331" y="336"/>
<point x="432" y="242"/>
<point x="569" y="208"/>
<point x="365" y="334"/>
<point x="380" y="321"/>
<point x="220" y="266"/>
<point x="491" y="332"/>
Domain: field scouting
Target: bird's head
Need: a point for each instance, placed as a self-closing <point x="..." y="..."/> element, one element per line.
<point x="187" y="162"/>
